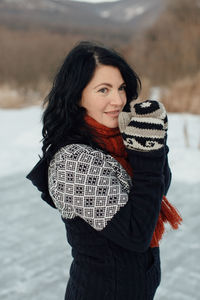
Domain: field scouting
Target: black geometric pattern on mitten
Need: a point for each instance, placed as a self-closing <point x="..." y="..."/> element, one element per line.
<point x="141" y="143"/>
<point x="145" y="125"/>
<point x="146" y="107"/>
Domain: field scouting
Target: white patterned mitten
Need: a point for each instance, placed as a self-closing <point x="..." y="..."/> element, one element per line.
<point x="144" y="127"/>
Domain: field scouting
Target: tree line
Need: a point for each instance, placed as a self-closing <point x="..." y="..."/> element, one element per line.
<point x="164" y="55"/>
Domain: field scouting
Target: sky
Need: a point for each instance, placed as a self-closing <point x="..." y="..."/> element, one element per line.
<point x="96" y="1"/>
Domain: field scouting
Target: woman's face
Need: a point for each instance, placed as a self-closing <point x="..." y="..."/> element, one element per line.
<point x="104" y="97"/>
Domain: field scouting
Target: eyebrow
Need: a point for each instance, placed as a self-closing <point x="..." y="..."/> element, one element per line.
<point x="108" y="84"/>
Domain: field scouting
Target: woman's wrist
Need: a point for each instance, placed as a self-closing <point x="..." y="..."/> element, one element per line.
<point x="147" y="162"/>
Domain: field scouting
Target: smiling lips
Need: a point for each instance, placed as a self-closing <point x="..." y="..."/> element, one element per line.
<point x="114" y="113"/>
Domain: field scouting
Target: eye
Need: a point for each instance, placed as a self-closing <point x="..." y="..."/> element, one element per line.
<point x="103" y="90"/>
<point x="122" y="87"/>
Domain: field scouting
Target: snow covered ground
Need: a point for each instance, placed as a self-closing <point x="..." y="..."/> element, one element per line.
<point x="35" y="258"/>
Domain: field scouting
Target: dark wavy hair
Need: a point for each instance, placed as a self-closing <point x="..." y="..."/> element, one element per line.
<point x="63" y="118"/>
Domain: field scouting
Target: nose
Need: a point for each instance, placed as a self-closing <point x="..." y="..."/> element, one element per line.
<point x="118" y="98"/>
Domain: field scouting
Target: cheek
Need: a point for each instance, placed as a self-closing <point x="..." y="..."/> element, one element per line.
<point x="124" y="99"/>
<point x="99" y="104"/>
<point x="87" y="103"/>
<point x="94" y="108"/>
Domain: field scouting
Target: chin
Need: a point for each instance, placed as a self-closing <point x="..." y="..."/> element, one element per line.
<point x="112" y="124"/>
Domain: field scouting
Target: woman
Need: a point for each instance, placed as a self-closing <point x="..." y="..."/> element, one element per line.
<point x="105" y="169"/>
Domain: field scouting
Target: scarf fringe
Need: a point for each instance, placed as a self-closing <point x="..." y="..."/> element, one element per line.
<point x="170" y="214"/>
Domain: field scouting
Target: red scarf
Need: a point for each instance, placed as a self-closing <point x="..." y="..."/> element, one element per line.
<point x="111" y="140"/>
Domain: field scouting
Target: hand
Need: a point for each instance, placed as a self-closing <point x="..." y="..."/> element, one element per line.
<point x="144" y="127"/>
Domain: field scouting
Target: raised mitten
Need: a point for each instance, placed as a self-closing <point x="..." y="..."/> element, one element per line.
<point x="144" y="127"/>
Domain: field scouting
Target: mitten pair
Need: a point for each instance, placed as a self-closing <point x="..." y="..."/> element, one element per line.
<point x="144" y="127"/>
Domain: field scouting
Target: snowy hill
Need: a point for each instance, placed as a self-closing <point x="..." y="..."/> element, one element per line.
<point x="134" y="14"/>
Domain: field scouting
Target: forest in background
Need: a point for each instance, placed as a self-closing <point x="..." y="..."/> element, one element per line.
<point x="166" y="55"/>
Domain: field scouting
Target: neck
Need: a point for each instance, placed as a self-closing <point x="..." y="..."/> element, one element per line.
<point x="111" y="140"/>
<point x="101" y="129"/>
